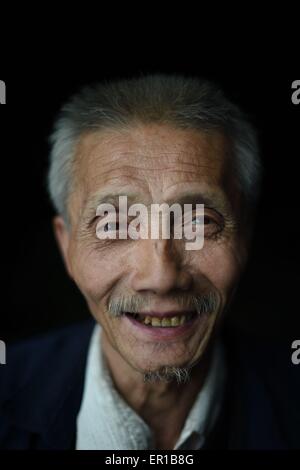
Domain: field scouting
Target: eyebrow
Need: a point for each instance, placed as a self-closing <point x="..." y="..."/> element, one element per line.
<point x="91" y="205"/>
<point x="214" y="200"/>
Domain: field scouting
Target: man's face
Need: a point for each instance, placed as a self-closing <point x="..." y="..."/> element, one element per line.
<point x="155" y="164"/>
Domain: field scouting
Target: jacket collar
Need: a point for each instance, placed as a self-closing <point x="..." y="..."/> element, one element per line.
<point x="48" y="404"/>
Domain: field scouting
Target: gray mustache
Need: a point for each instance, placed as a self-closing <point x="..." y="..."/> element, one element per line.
<point x="205" y="303"/>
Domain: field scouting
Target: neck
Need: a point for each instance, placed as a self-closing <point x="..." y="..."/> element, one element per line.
<point x="164" y="406"/>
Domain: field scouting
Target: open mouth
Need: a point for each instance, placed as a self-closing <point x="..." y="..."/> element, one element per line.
<point x="162" y="322"/>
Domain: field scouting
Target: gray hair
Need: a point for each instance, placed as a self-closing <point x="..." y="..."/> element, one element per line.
<point x="188" y="103"/>
<point x="181" y="375"/>
<point x="203" y="304"/>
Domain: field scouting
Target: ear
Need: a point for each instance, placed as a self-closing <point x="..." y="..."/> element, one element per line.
<point x="62" y="236"/>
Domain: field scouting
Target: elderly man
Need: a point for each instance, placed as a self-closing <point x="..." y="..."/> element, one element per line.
<point x="152" y="371"/>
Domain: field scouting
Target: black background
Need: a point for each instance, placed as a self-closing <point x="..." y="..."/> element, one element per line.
<point x="36" y="293"/>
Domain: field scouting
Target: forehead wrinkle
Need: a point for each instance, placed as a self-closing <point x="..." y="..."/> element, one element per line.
<point x="126" y="170"/>
<point x="177" y="160"/>
<point x="146" y="162"/>
<point x="141" y="175"/>
<point x="156" y="171"/>
<point x="153" y="139"/>
<point x="183" y="156"/>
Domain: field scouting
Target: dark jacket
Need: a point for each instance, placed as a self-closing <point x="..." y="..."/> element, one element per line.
<point x="41" y="389"/>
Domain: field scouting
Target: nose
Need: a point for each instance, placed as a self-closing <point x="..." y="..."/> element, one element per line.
<point x="158" y="268"/>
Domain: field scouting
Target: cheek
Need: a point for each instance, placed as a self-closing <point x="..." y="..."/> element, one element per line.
<point x="95" y="272"/>
<point x="222" y="267"/>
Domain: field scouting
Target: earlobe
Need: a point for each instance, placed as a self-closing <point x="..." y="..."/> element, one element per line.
<point x="62" y="236"/>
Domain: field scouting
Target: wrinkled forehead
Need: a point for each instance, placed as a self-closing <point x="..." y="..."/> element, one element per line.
<point x="153" y="164"/>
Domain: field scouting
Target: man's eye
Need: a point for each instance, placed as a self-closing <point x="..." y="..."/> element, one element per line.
<point x="198" y="220"/>
<point x="206" y="220"/>
<point x="210" y="221"/>
<point x="211" y="226"/>
<point x="111" y="227"/>
<point x="108" y="229"/>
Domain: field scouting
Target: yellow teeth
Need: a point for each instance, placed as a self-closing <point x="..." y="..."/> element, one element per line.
<point x="175" y="321"/>
<point x="155" y="321"/>
<point x="165" y="322"/>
